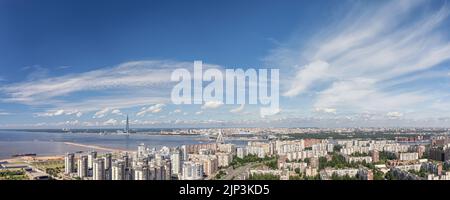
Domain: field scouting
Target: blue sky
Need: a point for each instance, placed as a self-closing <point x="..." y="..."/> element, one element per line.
<point x="342" y="63"/>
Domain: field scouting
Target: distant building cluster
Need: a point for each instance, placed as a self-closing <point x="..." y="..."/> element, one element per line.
<point x="403" y="158"/>
<point x="187" y="162"/>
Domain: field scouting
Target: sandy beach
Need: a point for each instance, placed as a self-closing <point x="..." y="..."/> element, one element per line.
<point x="33" y="158"/>
<point x="95" y="147"/>
<point x="60" y="157"/>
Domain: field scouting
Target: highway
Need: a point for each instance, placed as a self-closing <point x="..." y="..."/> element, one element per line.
<point x="238" y="172"/>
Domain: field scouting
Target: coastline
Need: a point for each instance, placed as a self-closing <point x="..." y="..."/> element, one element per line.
<point x="96" y="147"/>
<point x="32" y="158"/>
<point x="61" y="157"/>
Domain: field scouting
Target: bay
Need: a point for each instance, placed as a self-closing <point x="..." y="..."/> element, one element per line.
<point x="52" y="143"/>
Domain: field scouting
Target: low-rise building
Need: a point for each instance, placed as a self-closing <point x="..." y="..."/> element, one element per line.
<point x="241" y="152"/>
<point x="408" y="156"/>
<point x="360" y="159"/>
<point x="311" y="171"/>
<point x="414" y="167"/>
<point x="224" y="159"/>
<point x="444" y="176"/>
<point x="192" y="171"/>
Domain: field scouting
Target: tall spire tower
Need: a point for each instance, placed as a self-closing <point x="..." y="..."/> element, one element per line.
<point x="127" y="127"/>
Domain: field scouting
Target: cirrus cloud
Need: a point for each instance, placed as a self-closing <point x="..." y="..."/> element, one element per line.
<point x="365" y="62"/>
<point x="212" y="104"/>
<point x="151" y="109"/>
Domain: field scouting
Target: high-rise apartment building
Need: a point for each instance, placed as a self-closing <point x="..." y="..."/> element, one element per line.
<point x="69" y="163"/>
<point x="108" y="165"/>
<point x="118" y="170"/>
<point x="83" y="167"/>
<point x="175" y="159"/>
<point x="141" y="173"/>
<point x="91" y="157"/>
<point x="98" y="169"/>
<point x="192" y="171"/>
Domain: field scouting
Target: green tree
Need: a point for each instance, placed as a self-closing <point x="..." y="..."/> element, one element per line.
<point x="264" y="177"/>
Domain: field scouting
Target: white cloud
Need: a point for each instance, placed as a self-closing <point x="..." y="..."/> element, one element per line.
<point x="106" y="111"/>
<point x="152" y="109"/>
<point x="126" y="85"/>
<point x="73" y="112"/>
<point x="110" y="122"/>
<point x="394" y="115"/>
<point x="177" y="111"/>
<point x="116" y="112"/>
<point x="5" y="113"/>
<point x="238" y="109"/>
<point x="355" y="65"/>
<point x="126" y="75"/>
<point x="60" y="112"/>
<point x="101" y="113"/>
<point x="199" y="112"/>
<point x="36" y="72"/>
<point x="79" y="114"/>
<point x="310" y="73"/>
<point x="64" y="67"/>
<point x="212" y="104"/>
<point x="326" y="110"/>
<point x="117" y="102"/>
<point x="130" y="77"/>
<point x="72" y="123"/>
<point x="361" y="95"/>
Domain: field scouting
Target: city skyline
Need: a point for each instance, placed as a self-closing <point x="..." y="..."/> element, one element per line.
<point x="412" y="156"/>
<point x="342" y="63"/>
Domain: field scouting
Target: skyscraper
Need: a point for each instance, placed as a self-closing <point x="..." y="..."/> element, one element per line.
<point x="91" y="157"/>
<point x="141" y="173"/>
<point x="142" y="149"/>
<point x="83" y="167"/>
<point x="126" y="160"/>
<point x="210" y="164"/>
<point x="192" y="171"/>
<point x="241" y="152"/>
<point x="168" y="170"/>
<point x="118" y="170"/>
<point x="184" y="153"/>
<point x="99" y="169"/>
<point x="127" y="126"/>
<point x="69" y="163"/>
<point x="158" y="159"/>
<point x="152" y="172"/>
<point x="159" y="172"/>
<point x="126" y="163"/>
<point x="175" y="159"/>
<point x="108" y="163"/>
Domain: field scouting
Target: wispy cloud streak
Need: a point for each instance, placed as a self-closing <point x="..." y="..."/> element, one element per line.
<point x="358" y="63"/>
